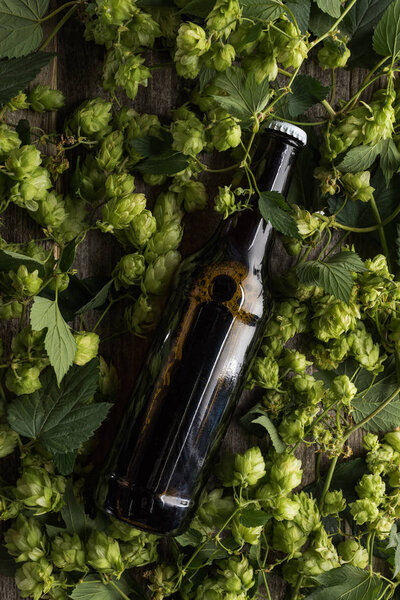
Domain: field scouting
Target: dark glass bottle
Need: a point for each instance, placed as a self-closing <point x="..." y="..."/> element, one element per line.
<point x="197" y="364"/>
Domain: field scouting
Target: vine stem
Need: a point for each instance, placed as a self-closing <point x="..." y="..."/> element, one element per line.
<point x="58" y="27"/>
<point x="381" y="232"/>
<point x="362" y="229"/>
<point x="328" y="480"/>
<point x="120" y="592"/>
<point x="336" y="23"/>
<point x="328" y="108"/>
<point x="58" y="10"/>
<point x="297" y="587"/>
<point x="371" y="415"/>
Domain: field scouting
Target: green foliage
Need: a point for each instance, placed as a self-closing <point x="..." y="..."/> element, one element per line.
<point x="360" y="158"/>
<point x="244" y="98"/>
<point x="93" y="588"/>
<point x="73" y="514"/>
<point x="360" y="24"/>
<point x="347" y="583"/>
<point x="17" y="73"/>
<point x="331" y="7"/>
<point x="274" y="208"/>
<point x="20" y="27"/>
<point x="60" y="417"/>
<point x="306" y="91"/>
<point x="59" y="341"/>
<point x="332" y="274"/>
<point x="386" y="40"/>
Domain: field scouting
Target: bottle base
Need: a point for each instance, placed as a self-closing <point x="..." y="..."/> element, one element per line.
<point x="160" y="514"/>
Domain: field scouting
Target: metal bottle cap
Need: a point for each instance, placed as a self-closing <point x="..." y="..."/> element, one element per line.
<point x="289" y="129"/>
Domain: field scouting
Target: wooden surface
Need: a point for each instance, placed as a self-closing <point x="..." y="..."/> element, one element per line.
<point x="76" y="71"/>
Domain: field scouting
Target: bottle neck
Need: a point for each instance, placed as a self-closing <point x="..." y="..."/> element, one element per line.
<point x="248" y="232"/>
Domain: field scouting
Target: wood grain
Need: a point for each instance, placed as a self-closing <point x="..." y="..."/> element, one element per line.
<point x="76" y="71"/>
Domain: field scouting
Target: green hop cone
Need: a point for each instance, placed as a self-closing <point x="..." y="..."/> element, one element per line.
<point x="110" y="151"/>
<point x="142" y="31"/>
<point x="334" y="503"/>
<point x="264" y="372"/>
<point x="392" y="438"/>
<point x="165" y="239"/>
<point x="91" y="119"/>
<point x="34" y="579"/>
<point x="129" y="270"/>
<point x="333" y="317"/>
<point x="9" y="509"/>
<point x="25" y="283"/>
<point x="194" y="196"/>
<point x="68" y="552"/>
<point x="51" y="211"/>
<point x="8" y="440"/>
<point x="245" y="535"/>
<point x="42" y="98"/>
<point x="119" y="212"/>
<point x="284" y="509"/>
<point x="343" y="389"/>
<point x="9" y="141"/>
<point x="10" y="310"/>
<point x="223" y="18"/>
<point x="365" y="351"/>
<point x="364" y="511"/>
<point x="23" y="161"/>
<point x="356" y="186"/>
<point x="142" y="317"/>
<point x="132" y="73"/>
<point x="168" y="209"/>
<point x="288" y="537"/>
<point x="307" y="224"/>
<point x="87" y="347"/>
<point x="191" y="39"/>
<point x="292" y="245"/>
<point x="122" y="531"/>
<point x="116" y="12"/>
<point x="235" y="574"/>
<point x="294" y="361"/>
<point x="187" y="65"/>
<point x="140" y="229"/>
<point x="220" y="57"/>
<point x="23" y="379"/>
<point x="226" y="133"/>
<point x="100" y="32"/>
<point x="333" y="54"/>
<point x="371" y="442"/>
<point x="353" y="553"/>
<point x="285" y="471"/>
<point x="18" y="102"/>
<point x="25" y="540"/>
<point x="163" y="581"/>
<point x="119" y="185"/>
<point x="32" y="189"/>
<point x="249" y="467"/>
<point x="188" y="135"/>
<point x="40" y="491"/>
<point x="140" y="551"/>
<point x="103" y="554"/>
<point x="225" y="202"/>
<point x="371" y="487"/>
<point x="262" y="63"/>
<point x="108" y="379"/>
<point x="59" y="282"/>
<point x="318" y="558"/>
<point x="214" y="509"/>
<point x="160" y="272"/>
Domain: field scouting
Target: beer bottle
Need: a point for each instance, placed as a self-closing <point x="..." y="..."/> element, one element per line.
<point x="197" y="363"/>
